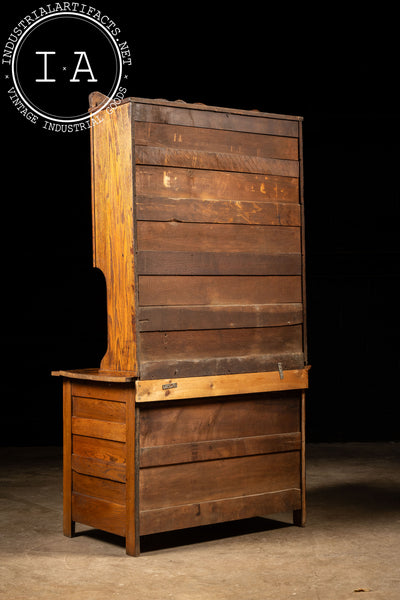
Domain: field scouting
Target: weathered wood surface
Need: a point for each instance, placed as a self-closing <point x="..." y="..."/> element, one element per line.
<point x="113" y="232"/>
<point x="158" y="181"/>
<point x="196" y="414"/>
<point x="216" y="140"/>
<point x="215" y="118"/>
<point x="197" y="387"/>
<point x="217" y="511"/>
<point x="222" y="365"/>
<point x="168" y="485"/>
<point x="195" y="210"/>
<point x="211" y="290"/>
<point x="218" y="418"/>
<point x="177" y="318"/>
<point x="212" y="450"/>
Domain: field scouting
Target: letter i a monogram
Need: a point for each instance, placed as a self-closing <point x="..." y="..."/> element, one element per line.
<point x="74" y="79"/>
<point x="45" y="79"/>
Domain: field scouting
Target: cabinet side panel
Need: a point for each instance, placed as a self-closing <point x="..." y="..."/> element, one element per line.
<point x="113" y="232"/>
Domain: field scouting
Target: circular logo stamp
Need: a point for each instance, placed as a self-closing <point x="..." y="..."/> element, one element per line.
<point x="56" y="56"/>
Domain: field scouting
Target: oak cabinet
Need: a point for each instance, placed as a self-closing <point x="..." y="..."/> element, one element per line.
<point x="196" y="413"/>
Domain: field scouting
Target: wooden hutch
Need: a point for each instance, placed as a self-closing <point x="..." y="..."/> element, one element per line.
<point x="196" y="414"/>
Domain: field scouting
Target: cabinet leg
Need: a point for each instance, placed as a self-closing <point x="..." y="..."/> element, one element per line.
<point x="132" y="542"/>
<point x="69" y="529"/>
<point x="68" y="523"/>
<point x="299" y="517"/>
<point x="132" y="546"/>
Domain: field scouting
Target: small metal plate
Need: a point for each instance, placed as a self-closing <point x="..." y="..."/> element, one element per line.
<point x="169" y="386"/>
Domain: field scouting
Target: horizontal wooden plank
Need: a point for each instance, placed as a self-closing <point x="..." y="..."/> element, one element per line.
<point x="201" y="237"/>
<point x="216" y="449"/>
<point x="190" y="210"/>
<point x="92" y="408"/>
<point x="104" y="489"/>
<point x="216" y="263"/>
<point x="211" y="118"/>
<point x="157" y="345"/>
<point x="101" y="514"/>
<point x="99" y="468"/>
<point x="169" y="318"/>
<point x="99" y="377"/>
<point x="107" y="430"/>
<point x="222" y="365"/>
<point x="118" y="392"/>
<point x="217" y="161"/>
<point x="215" y="140"/>
<point x="217" y="185"/>
<point x="190" y="482"/>
<point x="217" y="511"/>
<point x="106" y="450"/>
<point x="173" y="290"/>
<point x="213" y="418"/>
<point x="198" y="387"/>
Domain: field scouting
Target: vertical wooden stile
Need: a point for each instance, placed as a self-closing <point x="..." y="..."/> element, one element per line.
<point x="300" y="515"/>
<point x="303" y="242"/>
<point x="132" y="521"/>
<point x="68" y="524"/>
<point x="113" y="243"/>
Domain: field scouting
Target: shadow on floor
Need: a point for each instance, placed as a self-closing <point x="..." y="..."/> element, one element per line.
<point x="362" y="498"/>
<point x="193" y="535"/>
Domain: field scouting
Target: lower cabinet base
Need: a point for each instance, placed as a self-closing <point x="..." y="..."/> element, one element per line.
<point x="138" y="468"/>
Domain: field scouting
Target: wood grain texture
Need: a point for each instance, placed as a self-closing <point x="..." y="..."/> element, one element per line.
<point x="214" y="185"/>
<point x="215" y="140"/>
<point x="213" y="450"/>
<point x="113" y="232"/>
<point x="99" y="468"/>
<point x="217" y="511"/>
<point x="163" y="290"/>
<point x="157" y="345"/>
<point x="217" y="263"/>
<point x="104" y="489"/>
<point x="215" y="118"/>
<point x="99" y="449"/>
<point x="93" y="408"/>
<point x="230" y="416"/>
<point x="218" y="161"/>
<point x="107" y="430"/>
<point x="177" y="318"/>
<point x="190" y="482"/>
<point x="132" y="477"/>
<point x="222" y="365"/>
<point x="198" y="387"/>
<point x="102" y="514"/>
<point x="191" y="210"/>
<point x="200" y="237"/>
<point x="68" y="523"/>
<point x="113" y="392"/>
<point x="96" y="375"/>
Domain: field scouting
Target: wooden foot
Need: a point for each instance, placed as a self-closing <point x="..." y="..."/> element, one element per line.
<point x="133" y="547"/>
<point x="69" y="529"/>
<point x="299" y="517"/>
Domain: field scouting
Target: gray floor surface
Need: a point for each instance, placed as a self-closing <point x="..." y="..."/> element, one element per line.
<point x="349" y="550"/>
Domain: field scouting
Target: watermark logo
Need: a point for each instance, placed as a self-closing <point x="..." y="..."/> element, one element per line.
<point x="56" y="56"/>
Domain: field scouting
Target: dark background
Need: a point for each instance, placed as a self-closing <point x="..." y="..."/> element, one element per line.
<point x="341" y="75"/>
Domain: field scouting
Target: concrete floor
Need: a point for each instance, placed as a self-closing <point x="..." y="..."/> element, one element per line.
<point x="349" y="550"/>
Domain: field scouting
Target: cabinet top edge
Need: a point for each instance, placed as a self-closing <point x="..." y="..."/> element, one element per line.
<point x="96" y="99"/>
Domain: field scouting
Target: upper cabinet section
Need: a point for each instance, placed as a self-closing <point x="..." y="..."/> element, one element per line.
<point x="197" y="227"/>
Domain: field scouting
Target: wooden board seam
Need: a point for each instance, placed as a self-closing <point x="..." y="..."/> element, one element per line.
<point x="220" y="385"/>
